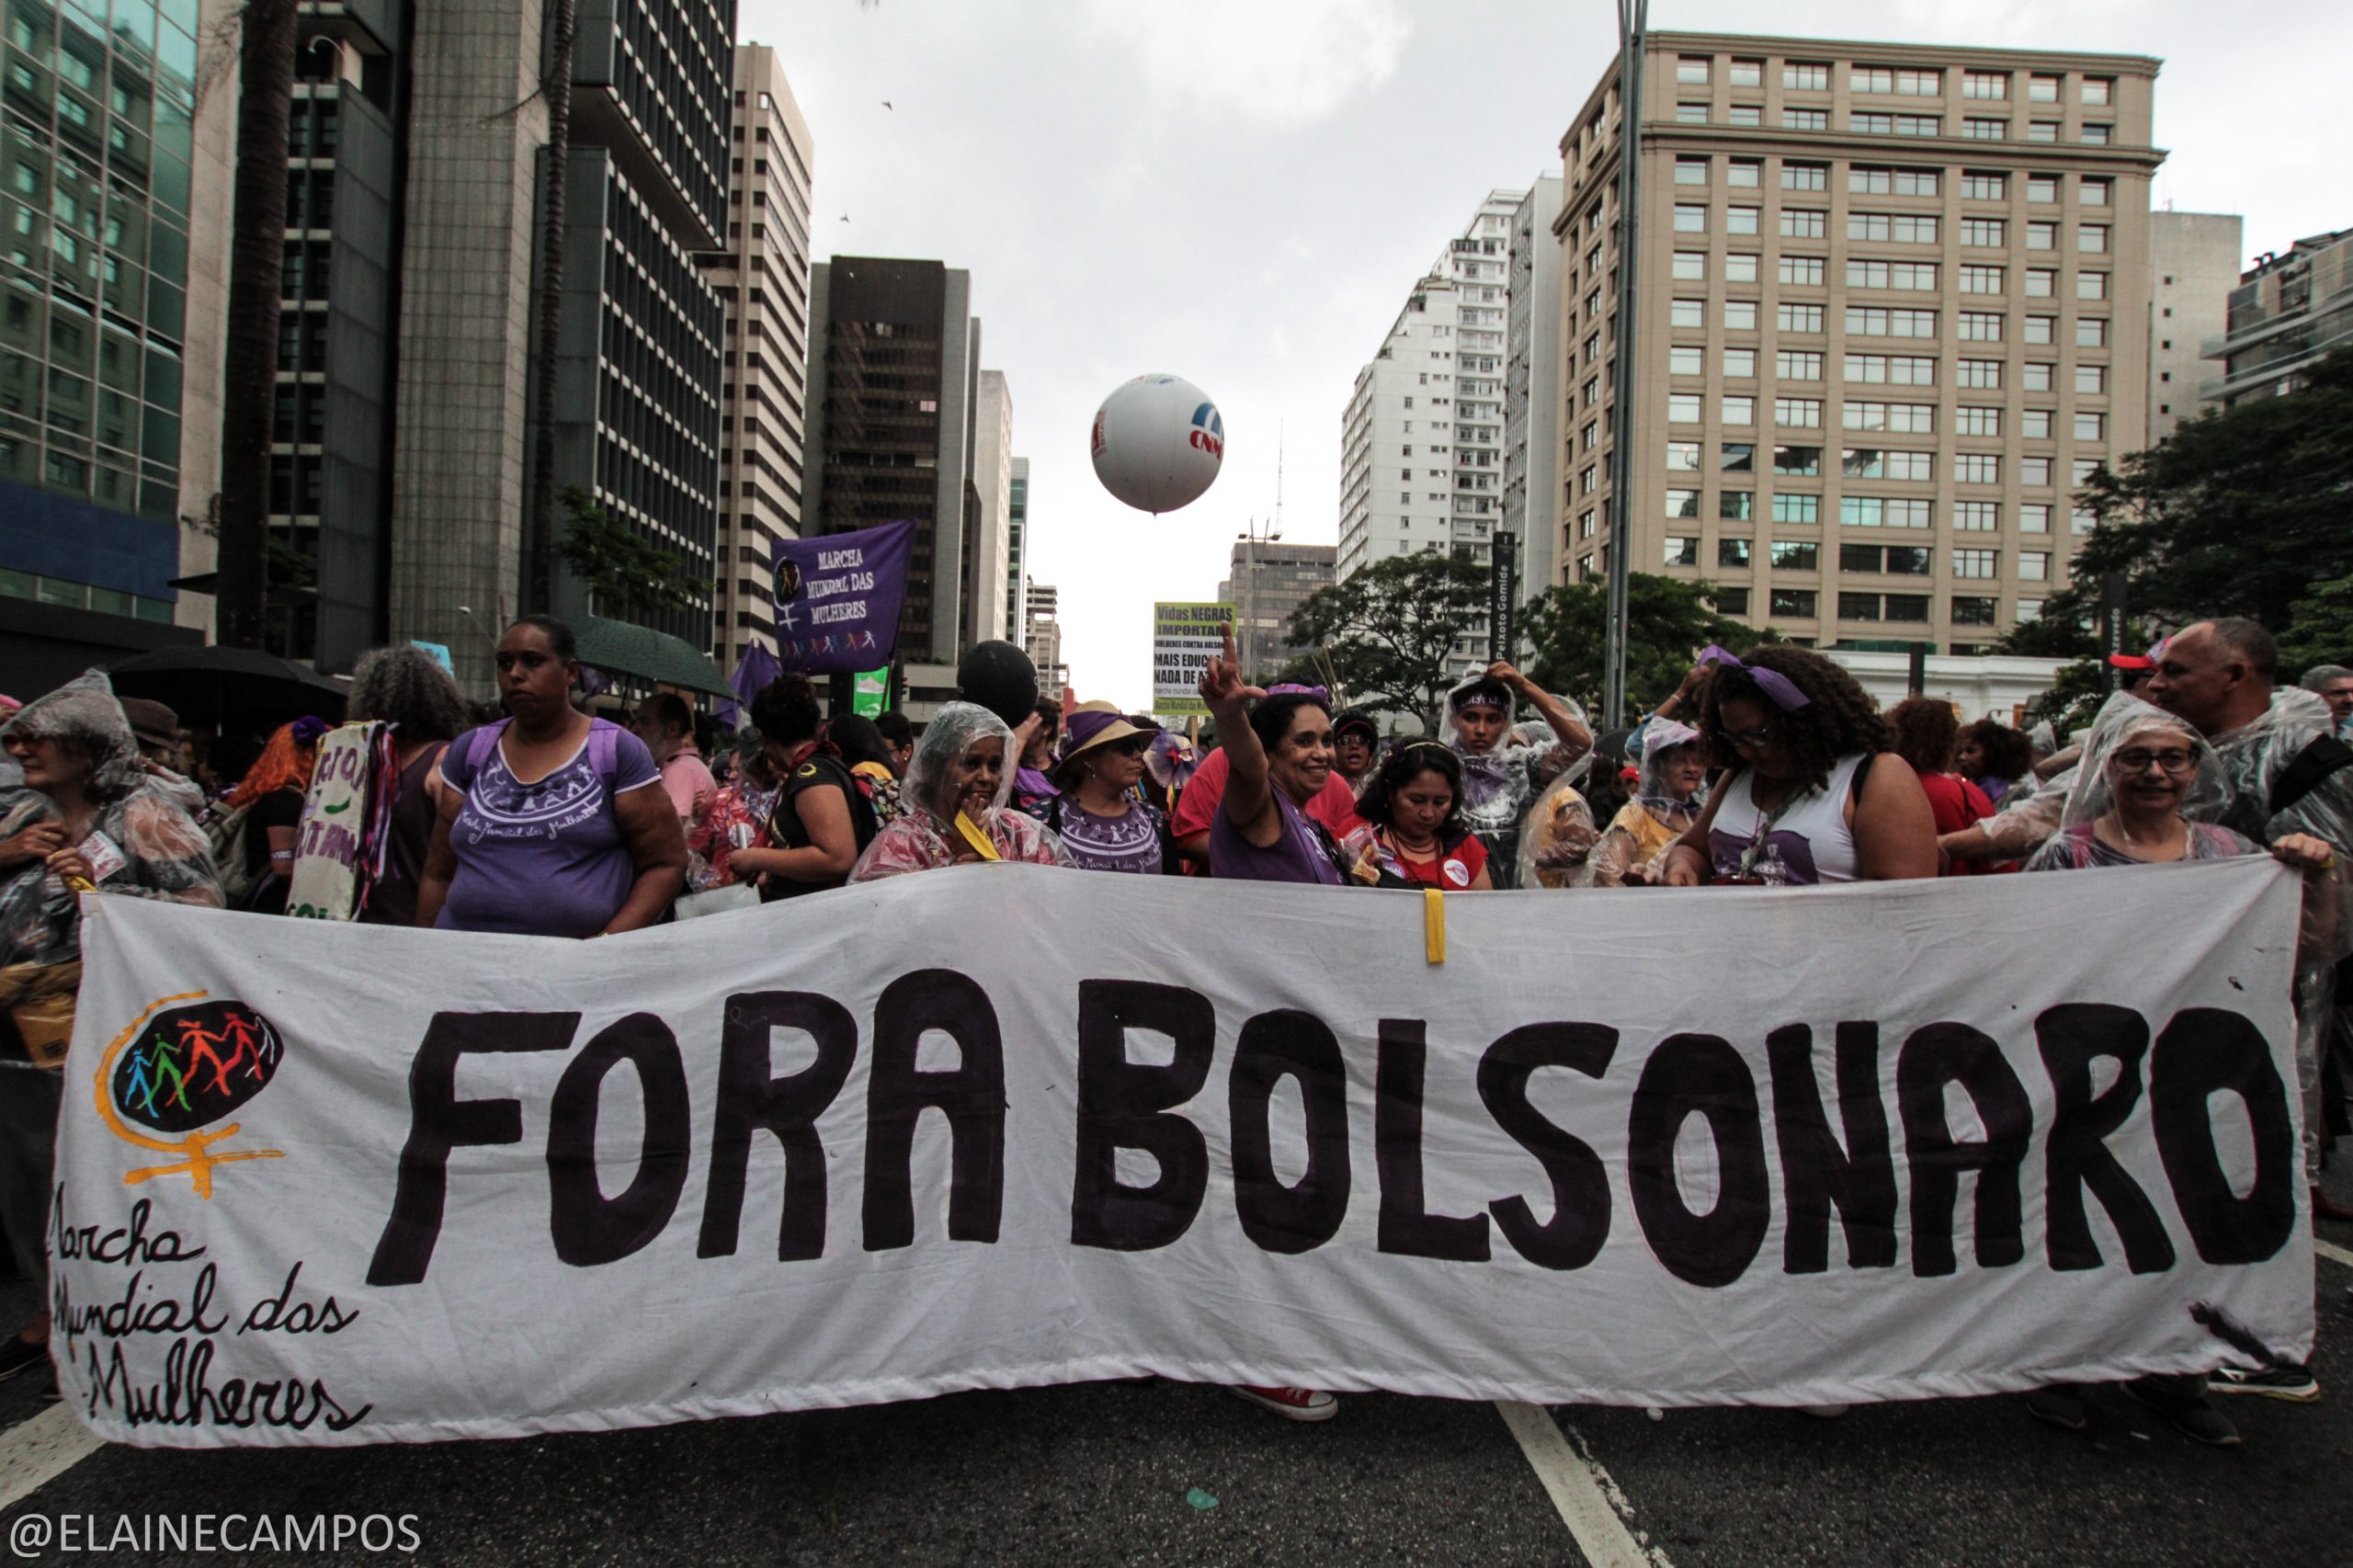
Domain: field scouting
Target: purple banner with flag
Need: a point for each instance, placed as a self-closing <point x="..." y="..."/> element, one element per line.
<point x="837" y="597"/>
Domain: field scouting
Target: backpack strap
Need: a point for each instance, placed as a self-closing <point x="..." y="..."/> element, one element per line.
<point x="604" y="751"/>
<point x="2322" y="757"/>
<point x="483" y="742"/>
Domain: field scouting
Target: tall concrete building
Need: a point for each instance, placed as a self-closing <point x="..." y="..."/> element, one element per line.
<point x="1423" y="447"/>
<point x="894" y="401"/>
<point x="1017" y="552"/>
<point x="1042" y="641"/>
<point x="113" y="190"/>
<point x="1893" y="303"/>
<point x="637" y="368"/>
<point x="331" y="457"/>
<point x="2193" y="265"/>
<point x="988" y="552"/>
<point x="2288" y="311"/>
<point x="1531" y="500"/>
<point x="762" y="282"/>
<point x="1267" y="581"/>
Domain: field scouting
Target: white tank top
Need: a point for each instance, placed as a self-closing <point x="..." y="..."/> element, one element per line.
<point x="1811" y="835"/>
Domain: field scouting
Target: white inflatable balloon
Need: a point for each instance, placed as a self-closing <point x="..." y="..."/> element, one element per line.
<point x="1158" y="443"/>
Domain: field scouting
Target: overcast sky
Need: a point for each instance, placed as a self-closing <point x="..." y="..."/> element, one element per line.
<point x="1242" y="192"/>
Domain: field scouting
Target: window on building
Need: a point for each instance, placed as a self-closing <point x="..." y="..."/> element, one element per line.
<point x="1682" y="550"/>
<point x="1738" y="457"/>
<point x="1691" y="114"/>
<point x="1976" y="127"/>
<point x="1978" y="375"/>
<point x="1989" y="232"/>
<point x="2091" y="378"/>
<point x="1804" y="412"/>
<point x="2091" y="285"/>
<point x="1804" y="223"/>
<point x="2034" y="517"/>
<point x="2081" y="518"/>
<point x="1797" y="460"/>
<point x="2097" y="134"/>
<point x="1740" y="266"/>
<point x="1739" y="410"/>
<point x="2034" y="424"/>
<point x="1875" y="463"/>
<point x="1740" y="364"/>
<point x="1732" y="552"/>
<point x="1683" y="361"/>
<point x="1982" y="280"/>
<point x="1797" y="318"/>
<point x="1692" y="69"/>
<point x="2091" y="332"/>
<point x="2034" y="473"/>
<point x="1805" y="272"/>
<point x="1870" y="179"/>
<point x="2092" y="238"/>
<point x="1691" y="171"/>
<point x="1690" y="220"/>
<point x="2041" y="283"/>
<point x="2040" y="329"/>
<point x="2094" y="192"/>
<point x="1977" y="420"/>
<point x="1984" y="85"/>
<point x="2042" y="130"/>
<point x="1970" y="611"/>
<point x="1683" y="456"/>
<point x="1973" y="468"/>
<point x="2034" y="566"/>
<point x="2044" y="89"/>
<point x="1976" y="517"/>
<point x="2042" y="187"/>
<point x="1682" y="503"/>
<point x="1692" y="265"/>
<point x="1741" y="219"/>
<point x="2098" y="91"/>
<point x="2037" y="375"/>
<point x="1796" y="555"/>
<point x="1745" y="173"/>
<point x="1740" y="315"/>
<point x="1797" y="603"/>
<point x="2091" y="427"/>
<point x="1797" y="508"/>
<point x="1805" y="176"/>
<point x="1912" y="275"/>
<point x="1688" y="313"/>
<point x="1683" y="408"/>
<point x="1806" y="75"/>
<point x="1805" y="119"/>
<point x="1798" y="365"/>
<point x="1746" y="114"/>
<point x="1735" y="505"/>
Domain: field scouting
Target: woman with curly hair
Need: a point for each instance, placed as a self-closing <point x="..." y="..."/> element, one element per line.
<point x="1413" y="834"/>
<point x="1994" y="757"/>
<point x="406" y="687"/>
<point x="1812" y="790"/>
<point x="271" y="799"/>
<point x="1927" y="736"/>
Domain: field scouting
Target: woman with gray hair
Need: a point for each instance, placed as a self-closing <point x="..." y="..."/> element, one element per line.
<point x="406" y="687"/>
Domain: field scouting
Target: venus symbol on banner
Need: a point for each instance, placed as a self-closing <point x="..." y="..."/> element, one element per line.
<point x="1158" y="442"/>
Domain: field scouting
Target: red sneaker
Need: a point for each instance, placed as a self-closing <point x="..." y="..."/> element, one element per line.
<point x="1292" y="1404"/>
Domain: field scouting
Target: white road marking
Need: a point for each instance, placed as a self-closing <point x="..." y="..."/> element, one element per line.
<point x="2333" y="1253"/>
<point x="35" y="1452"/>
<point x="1580" y="1489"/>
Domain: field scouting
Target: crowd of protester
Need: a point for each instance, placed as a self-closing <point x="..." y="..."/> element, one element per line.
<point x="1770" y="769"/>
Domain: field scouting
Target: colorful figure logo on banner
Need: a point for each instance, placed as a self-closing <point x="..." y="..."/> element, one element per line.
<point x="179" y="1069"/>
<point x="1158" y="443"/>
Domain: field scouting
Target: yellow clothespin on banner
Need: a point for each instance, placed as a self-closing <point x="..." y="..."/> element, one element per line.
<point x="976" y="838"/>
<point x="1433" y="926"/>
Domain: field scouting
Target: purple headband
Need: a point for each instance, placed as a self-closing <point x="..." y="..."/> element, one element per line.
<point x="1321" y="694"/>
<point x="1772" y="683"/>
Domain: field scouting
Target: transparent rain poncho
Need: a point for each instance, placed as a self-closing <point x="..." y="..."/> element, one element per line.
<point x="927" y="835"/>
<point x="1557" y="842"/>
<point x="1501" y="787"/>
<point x="1644" y="828"/>
<point x="2125" y="721"/>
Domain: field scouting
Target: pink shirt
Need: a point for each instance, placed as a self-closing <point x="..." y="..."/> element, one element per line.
<point x="689" y="783"/>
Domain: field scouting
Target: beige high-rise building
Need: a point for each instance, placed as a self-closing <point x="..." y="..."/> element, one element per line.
<point x="1893" y="310"/>
<point x="762" y="278"/>
<point x="2194" y="261"/>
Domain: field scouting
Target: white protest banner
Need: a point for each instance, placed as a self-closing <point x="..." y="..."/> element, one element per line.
<point x="1185" y="637"/>
<point x="333" y="838"/>
<point x="1008" y="1125"/>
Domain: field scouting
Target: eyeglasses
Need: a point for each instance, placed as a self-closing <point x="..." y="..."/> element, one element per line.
<point x="1134" y="746"/>
<point x="2173" y="759"/>
<point x="1747" y="739"/>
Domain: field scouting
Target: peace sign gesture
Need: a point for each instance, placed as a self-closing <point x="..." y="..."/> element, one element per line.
<point x="1221" y="685"/>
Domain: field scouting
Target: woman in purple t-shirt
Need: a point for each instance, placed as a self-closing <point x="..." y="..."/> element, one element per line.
<point x="1278" y="758"/>
<point x="555" y="823"/>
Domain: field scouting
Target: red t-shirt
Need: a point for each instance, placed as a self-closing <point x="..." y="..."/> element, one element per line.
<point x="1955" y="803"/>
<point x="1334" y="805"/>
<point x="1453" y="871"/>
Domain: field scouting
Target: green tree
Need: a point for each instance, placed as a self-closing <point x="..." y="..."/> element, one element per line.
<point x="1667" y="620"/>
<point x="1388" y="630"/>
<point x="2320" y="630"/>
<point x="624" y="574"/>
<point x="2238" y="513"/>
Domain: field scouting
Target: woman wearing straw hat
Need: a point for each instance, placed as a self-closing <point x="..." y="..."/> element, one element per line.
<point x="1102" y="822"/>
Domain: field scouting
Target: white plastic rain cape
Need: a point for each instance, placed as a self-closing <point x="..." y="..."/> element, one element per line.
<point x="928" y="835"/>
<point x="1500" y="787"/>
<point x="1646" y="825"/>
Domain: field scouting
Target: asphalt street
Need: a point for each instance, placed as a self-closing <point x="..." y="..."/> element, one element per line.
<point x="1157" y="1471"/>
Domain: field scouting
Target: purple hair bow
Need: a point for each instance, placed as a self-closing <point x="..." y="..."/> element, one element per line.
<point x="1772" y="683"/>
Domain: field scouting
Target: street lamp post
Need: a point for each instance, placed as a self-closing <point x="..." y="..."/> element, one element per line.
<point x="1633" y="22"/>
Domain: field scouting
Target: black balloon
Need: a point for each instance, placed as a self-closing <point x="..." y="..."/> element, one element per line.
<point x="1000" y="677"/>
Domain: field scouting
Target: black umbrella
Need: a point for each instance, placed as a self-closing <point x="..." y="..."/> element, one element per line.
<point x="228" y="689"/>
